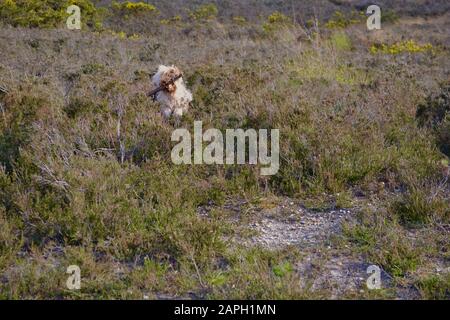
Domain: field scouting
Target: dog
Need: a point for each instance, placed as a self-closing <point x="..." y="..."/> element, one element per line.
<point x="174" y="97"/>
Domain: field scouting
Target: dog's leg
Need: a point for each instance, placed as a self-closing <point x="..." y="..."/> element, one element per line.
<point x="178" y="112"/>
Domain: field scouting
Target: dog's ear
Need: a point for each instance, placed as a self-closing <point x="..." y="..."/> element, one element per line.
<point x="177" y="71"/>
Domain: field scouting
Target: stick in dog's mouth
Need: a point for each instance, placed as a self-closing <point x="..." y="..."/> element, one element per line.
<point x="164" y="86"/>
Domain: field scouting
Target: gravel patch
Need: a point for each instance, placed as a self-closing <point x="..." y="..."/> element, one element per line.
<point x="303" y="227"/>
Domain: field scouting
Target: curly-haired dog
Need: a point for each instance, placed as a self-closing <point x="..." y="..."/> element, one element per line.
<point x="174" y="96"/>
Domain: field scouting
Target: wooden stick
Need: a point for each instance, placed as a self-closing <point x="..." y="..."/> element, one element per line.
<point x="161" y="88"/>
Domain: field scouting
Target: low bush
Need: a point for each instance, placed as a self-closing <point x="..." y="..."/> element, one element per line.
<point x="47" y="13"/>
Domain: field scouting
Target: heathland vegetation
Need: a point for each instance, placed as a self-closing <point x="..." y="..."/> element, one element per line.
<point x="86" y="176"/>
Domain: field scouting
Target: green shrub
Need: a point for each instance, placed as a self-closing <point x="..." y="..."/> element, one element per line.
<point x="340" y="20"/>
<point x="47" y="13"/>
<point x="409" y="46"/>
<point x="418" y="206"/>
<point x="384" y="244"/>
<point x="175" y="20"/>
<point x="275" y="21"/>
<point x="135" y="9"/>
<point x="435" y="287"/>
<point x="341" y="41"/>
<point x="389" y="16"/>
<point x="204" y="12"/>
<point x="16" y="131"/>
<point x="239" y="20"/>
<point x="435" y="114"/>
<point x="130" y="18"/>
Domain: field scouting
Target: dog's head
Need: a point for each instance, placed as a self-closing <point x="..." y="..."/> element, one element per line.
<point x="167" y="79"/>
